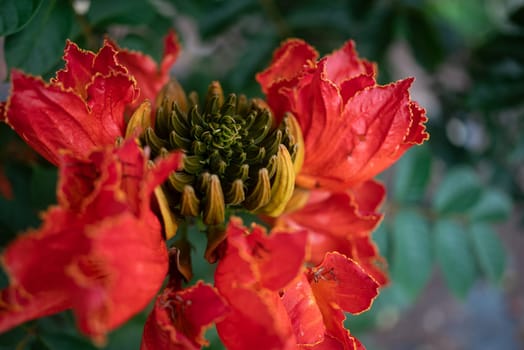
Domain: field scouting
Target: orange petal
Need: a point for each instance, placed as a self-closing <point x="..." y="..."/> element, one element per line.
<point x="150" y="76"/>
<point x="180" y="318"/>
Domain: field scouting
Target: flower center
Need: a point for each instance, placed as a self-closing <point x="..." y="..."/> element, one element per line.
<point x="234" y="155"/>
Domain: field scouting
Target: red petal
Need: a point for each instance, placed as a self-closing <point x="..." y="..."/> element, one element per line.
<point x="17" y="306"/>
<point x="149" y="76"/>
<point x="288" y="62"/>
<point x="344" y="64"/>
<point x="271" y="260"/>
<point x="368" y="196"/>
<point x="333" y="343"/>
<point x="340" y="281"/>
<point x="304" y="314"/>
<point x="171" y="52"/>
<point x="82" y="65"/>
<point x="78" y="71"/>
<point x="279" y="256"/>
<point x="109" y="293"/>
<point x="179" y="318"/>
<point x="73" y="259"/>
<point x="373" y="131"/>
<point x="417" y="132"/>
<point x="364" y="251"/>
<point x="339" y="285"/>
<point x="107" y="99"/>
<point x="51" y="119"/>
<point x="35" y="264"/>
<point x="257" y="321"/>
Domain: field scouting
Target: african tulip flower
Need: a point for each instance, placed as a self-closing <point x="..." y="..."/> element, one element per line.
<point x="83" y="107"/>
<point x="94" y="246"/>
<point x="352" y="127"/>
<point x="278" y="303"/>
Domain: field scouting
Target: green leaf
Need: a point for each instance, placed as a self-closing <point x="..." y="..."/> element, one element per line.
<point x="259" y="48"/>
<point x="150" y="39"/>
<point x="16" y="14"/>
<point x="38" y="48"/>
<point x="494" y="205"/>
<point x="224" y="14"/>
<point x="61" y="341"/>
<point x="517" y="16"/>
<point x="381" y="238"/>
<point x="412" y="174"/>
<point x="133" y="12"/>
<point x="455" y="257"/>
<point x="459" y="191"/>
<point x="43" y="187"/>
<point x="489" y="251"/>
<point x="423" y="38"/>
<point x="17" y="214"/>
<point x="411" y="260"/>
<point x="502" y="46"/>
<point x="129" y="335"/>
<point x="499" y="91"/>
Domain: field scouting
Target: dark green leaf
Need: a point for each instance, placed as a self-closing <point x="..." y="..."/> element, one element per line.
<point x="13" y="339"/>
<point x="502" y="46"/>
<point x="258" y="50"/>
<point x="423" y="38"/>
<point x="381" y="239"/>
<point x="466" y="18"/>
<point x="459" y="191"/>
<point x="43" y="187"/>
<point x="150" y="39"/>
<point x="16" y="214"/>
<point x="412" y="259"/>
<point x="412" y="174"/>
<point x="493" y="205"/>
<point x="377" y="37"/>
<point x="129" y="335"/>
<point x="455" y="257"/>
<point x="517" y="16"/>
<point x="361" y="8"/>
<point x="60" y="341"/>
<point x="39" y="46"/>
<point x="498" y="92"/>
<point x="134" y="12"/>
<point x="16" y="14"/>
<point x="224" y="14"/>
<point x="317" y="15"/>
<point x="489" y="251"/>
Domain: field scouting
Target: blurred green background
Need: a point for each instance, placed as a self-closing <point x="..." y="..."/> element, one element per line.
<point x="453" y="228"/>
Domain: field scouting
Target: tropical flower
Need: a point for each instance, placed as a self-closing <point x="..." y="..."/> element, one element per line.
<point x="104" y="196"/>
<point x="278" y="303"/>
<point x="94" y="246"/>
<point x="352" y="127"/>
<point x="83" y="107"/>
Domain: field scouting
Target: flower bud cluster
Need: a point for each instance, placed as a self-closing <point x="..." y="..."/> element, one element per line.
<point x="234" y="154"/>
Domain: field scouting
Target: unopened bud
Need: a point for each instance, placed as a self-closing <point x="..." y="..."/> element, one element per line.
<point x="140" y="120"/>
